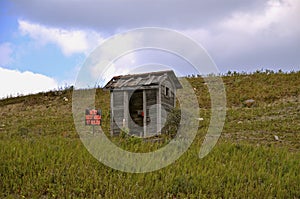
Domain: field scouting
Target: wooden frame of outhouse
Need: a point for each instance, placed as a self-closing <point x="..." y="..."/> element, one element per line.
<point x="156" y="91"/>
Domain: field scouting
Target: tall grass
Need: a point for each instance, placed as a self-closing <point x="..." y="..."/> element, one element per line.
<point x="42" y="156"/>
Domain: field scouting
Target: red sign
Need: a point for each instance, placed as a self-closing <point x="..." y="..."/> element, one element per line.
<point x="92" y="117"/>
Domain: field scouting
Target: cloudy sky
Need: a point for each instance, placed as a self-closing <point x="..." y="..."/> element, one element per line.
<point x="43" y="44"/>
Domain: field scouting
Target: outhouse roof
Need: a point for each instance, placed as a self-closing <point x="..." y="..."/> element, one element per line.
<point x="142" y="79"/>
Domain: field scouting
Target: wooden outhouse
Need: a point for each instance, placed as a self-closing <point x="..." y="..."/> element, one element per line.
<point x="140" y="103"/>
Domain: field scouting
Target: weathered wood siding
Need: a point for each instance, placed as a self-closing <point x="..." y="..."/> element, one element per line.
<point x="142" y="111"/>
<point x="167" y="100"/>
<point x="151" y="113"/>
<point x="117" y="112"/>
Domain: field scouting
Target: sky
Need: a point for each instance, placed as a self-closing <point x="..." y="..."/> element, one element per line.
<point x="43" y="44"/>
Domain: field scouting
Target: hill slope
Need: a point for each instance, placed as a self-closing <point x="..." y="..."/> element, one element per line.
<point x="42" y="156"/>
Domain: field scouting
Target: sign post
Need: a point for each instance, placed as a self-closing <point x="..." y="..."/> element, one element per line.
<point x="92" y="118"/>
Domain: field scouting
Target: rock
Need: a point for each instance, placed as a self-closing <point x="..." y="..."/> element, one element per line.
<point x="57" y="93"/>
<point x="276" y="137"/>
<point x="240" y="122"/>
<point x="66" y="99"/>
<point x="249" y="103"/>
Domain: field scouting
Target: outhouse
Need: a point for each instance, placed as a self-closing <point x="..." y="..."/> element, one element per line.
<point x="140" y="103"/>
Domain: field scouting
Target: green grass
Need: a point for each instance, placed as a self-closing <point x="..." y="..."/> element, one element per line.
<point x="42" y="156"/>
<point x="57" y="167"/>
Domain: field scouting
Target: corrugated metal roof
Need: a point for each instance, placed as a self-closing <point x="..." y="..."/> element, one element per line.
<point x="144" y="79"/>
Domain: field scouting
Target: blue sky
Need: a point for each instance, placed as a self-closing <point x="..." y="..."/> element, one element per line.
<point x="43" y="44"/>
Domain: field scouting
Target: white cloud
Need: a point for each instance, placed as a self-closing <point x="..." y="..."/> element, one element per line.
<point x="252" y="34"/>
<point x="121" y="66"/>
<point x="119" y="14"/>
<point x="254" y="38"/>
<point x="5" y="54"/>
<point x="109" y="60"/>
<point x="279" y="17"/>
<point x="14" y="82"/>
<point x="70" y="41"/>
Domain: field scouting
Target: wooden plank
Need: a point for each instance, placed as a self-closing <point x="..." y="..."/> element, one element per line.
<point x="125" y="82"/>
<point x="149" y="81"/>
<point x="145" y="113"/>
<point x="151" y="97"/>
<point x="118" y="99"/>
<point x="134" y="88"/>
<point x="126" y="109"/>
<point x="159" y="110"/>
<point x="174" y="96"/>
<point x="111" y="113"/>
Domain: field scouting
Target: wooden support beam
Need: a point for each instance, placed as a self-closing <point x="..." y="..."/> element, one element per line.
<point x="111" y="113"/>
<point x="175" y="93"/>
<point x="158" y="110"/>
<point x="145" y="113"/>
<point x="126" y="109"/>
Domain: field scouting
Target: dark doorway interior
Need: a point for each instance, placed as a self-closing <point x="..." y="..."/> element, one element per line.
<point x="136" y="107"/>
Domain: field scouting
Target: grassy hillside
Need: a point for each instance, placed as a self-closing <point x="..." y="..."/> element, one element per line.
<point x="43" y="157"/>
